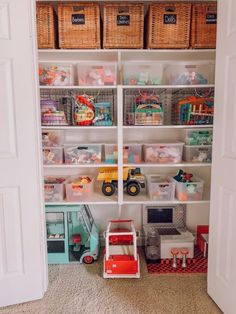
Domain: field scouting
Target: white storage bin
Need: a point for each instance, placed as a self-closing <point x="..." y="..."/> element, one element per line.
<point x="56" y="74"/>
<point x="83" y="153"/>
<point x="52" y="155"/>
<point x="190" y="191"/>
<point x="79" y="188"/>
<point x="96" y="74"/>
<point x="189" y="73"/>
<point x="160" y="187"/>
<point x="111" y="153"/>
<point x="200" y="153"/>
<point x="54" y="189"/>
<point x="132" y="153"/>
<point x="163" y="152"/>
<point x="198" y="137"/>
<point x="52" y="138"/>
<point x="142" y="73"/>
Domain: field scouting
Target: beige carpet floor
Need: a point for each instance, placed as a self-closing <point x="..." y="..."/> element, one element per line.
<point x="81" y="289"/>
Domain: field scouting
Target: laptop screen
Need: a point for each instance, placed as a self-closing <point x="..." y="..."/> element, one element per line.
<point x="160" y="215"/>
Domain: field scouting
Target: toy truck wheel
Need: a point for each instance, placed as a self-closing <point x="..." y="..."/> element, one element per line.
<point x="88" y="259"/>
<point x="108" y="189"/>
<point x="133" y="189"/>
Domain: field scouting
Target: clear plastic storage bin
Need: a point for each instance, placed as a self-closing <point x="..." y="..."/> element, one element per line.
<point x="52" y="138"/>
<point x="111" y="153"/>
<point x="163" y="152"/>
<point x="190" y="191"/>
<point x="198" y="137"/>
<point x="137" y="73"/>
<point x="54" y="189"/>
<point x="79" y="188"/>
<point x="200" y="153"/>
<point x="132" y="153"/>
<point x="56" y="74"/>
<point x="96" y="74"/>
<point x="52" y="155"/>
<point x="191" y="73"/>
<point x="161" y="187"/>
<point x="83" y="153"/>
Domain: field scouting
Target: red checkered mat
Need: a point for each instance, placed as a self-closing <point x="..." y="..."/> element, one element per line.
<point x="198" y="264"/>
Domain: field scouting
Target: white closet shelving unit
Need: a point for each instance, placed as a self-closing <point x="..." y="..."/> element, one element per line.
<point x="122" y="134"/>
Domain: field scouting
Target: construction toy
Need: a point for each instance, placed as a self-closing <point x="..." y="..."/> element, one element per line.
<point x="121" y="259"/>
<point x="71" y="235"/>
<point x="133" y="180"/>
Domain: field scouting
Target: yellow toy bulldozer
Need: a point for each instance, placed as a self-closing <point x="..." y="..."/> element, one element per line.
<point x="133" y="180"/>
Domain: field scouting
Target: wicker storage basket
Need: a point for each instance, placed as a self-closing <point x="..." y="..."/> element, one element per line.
<point x="79" y="25"/>
<point x="203" y="27"/>
<point x="46" y="26"/>
<point x="169" y="25"/>
<point x="123" y="25"/>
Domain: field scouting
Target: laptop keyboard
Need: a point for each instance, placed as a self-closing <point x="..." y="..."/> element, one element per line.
<point x="168" y="231"/>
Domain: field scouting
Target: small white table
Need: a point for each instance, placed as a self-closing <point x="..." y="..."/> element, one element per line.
<point x="205" y="237"/>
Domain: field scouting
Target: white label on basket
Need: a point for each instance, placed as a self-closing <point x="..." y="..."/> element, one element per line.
<point x="211" y="18"/>
<point x="78" y="19"/>
<point x="170" y="18"/>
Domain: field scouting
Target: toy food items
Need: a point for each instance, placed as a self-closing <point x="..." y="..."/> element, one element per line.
<point x="56" y="74"/>
<point x="84" y="110"/>
<point x="52" y="138"/>
<point x="79" y="188"/>
<point x="163" y="152"/>
<point x="52" y="155"/>
<point x="83" y="154"/>
<point x="54" y="189"/>
<point x="50" y="115"/>
<point x="188" y="187"/>
<point x="96" y="75"/>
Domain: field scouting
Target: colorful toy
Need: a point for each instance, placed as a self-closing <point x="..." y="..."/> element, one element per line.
<point x="50" y="115"/>
<point x="198" y="137"/>
<point x="103" y="114"/>
<point x="194" y="111"/>
<point x="83" y="154"/>
<point x="55" y="75"/>
<point x="52" y="155"/>
<point x="54" y="189"/>
<point x="121" y="259"/>
<point x="132" y="153"/>
<point x="133" y="180"/>
<point x="71" y="235"/>
<point x="79" y="188"/>
<point x="163" y="152"/>
<point x="84" y="110"/>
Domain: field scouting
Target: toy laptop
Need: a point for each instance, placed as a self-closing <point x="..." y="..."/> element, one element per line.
<point x="165" y="228"/>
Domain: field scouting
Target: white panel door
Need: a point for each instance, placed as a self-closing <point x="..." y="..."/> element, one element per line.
<point x="23" y="269"/>
<point x="222" y="252"/>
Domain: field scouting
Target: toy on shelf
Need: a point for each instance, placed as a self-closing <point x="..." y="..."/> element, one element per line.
<point x="164" y="230"/>
<point x="56" y="74"/>
<point x="133" y="180"/>
<point x="52" y="138"/>
<point x="194" y="111"/>
<point x="72" y="234"/>
<point x="163" y="152"/>
<point x="197" y="153"/>
<point x="160" y="187"/>
<point x="111" y="153"/>
<point x="83" y="154"/>
<point x="52" y="155"/>
<point x="84" y="110"/>
<point x="121" y="259"/>
<point x="54" y="189"/>
<point x="132" y="153"/>
<point x="79" y="188"/>
<point x="96" y="75"/>
<point x="50" y="115"/>
<point x="188" y="187"/>
<point x="103" y="114"/>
